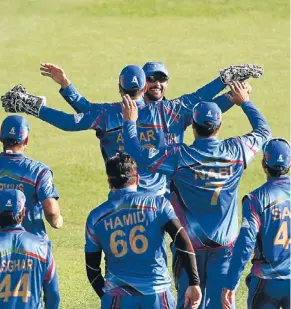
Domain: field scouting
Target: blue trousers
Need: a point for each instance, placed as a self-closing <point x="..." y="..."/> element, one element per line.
<point x="212" y="268"/>
<point x="163" y="300"/>
<point x="268" y="293"/>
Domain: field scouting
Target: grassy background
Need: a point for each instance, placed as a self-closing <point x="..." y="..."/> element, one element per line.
<point x="92" y="41"/>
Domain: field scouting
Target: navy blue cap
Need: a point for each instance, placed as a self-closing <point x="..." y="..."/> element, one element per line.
<point x="151" y="68"/>
<point x="14" y="127"/>
<point x="132" y="78"/>
<point x="207" y="114"/>
<point x="12" y="200"/>
<point x="277" y="153"/>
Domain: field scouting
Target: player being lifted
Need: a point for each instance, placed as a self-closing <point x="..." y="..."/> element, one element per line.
<point x="265" y="228"/>
<point x="26" y="263"/>
<point x="159" y="123"/>
<point x="205" y="178"/>
<point x="130" y="229"/>
<point x="31" y="177"/>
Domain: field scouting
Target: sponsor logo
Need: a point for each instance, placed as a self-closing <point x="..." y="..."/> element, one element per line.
<point x="209" y="114"/>
<point x="12" y="131"/>
<point x="9" y="203"/>
<point x="280" y="158"/>
<point x="78" y="117"/>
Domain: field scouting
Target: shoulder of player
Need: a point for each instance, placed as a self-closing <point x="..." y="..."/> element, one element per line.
<point x="38" y="246"/>
<point x="99" y="212"/>
<point x="258" y="196"/>
<point x="32" y="168"/>
<point x="148" y="200"/>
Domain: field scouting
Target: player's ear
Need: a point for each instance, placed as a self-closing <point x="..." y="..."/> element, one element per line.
<point x="145" y="89"/>
<point x="121" y="90"/>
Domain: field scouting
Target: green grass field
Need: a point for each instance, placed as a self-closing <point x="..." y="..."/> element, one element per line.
<point x="92" y="41"/>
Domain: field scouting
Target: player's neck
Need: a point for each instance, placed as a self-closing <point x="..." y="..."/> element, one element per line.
<point x="134" y="187"/>
<point x="14" y="150"/>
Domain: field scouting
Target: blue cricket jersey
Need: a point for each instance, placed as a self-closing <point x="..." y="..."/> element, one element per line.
<point x="205" y="177"/>
<point x="265" y="229"/>
<point x="35" y="180"/>
<point x="26" y="268"/>
<point x="159" y="123"/>
<point x="129" y="229"/>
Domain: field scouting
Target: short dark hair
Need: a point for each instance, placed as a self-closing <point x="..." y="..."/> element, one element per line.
<point x="8" y="219"/>
<point x="204" y="131"/>
<point x="9" y="142"/>
<point x="121" y="170"/>
<point x="275" y="171"/>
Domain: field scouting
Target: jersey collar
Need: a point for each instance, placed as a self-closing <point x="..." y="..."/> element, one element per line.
<point x="120" y="192"/>
<point x="279" y="179"/>
<point x="12" y="154"/>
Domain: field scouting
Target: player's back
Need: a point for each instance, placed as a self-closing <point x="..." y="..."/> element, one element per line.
<point x="23" y="268"/>
<point x="205" y="188"/>
<point x="24" y="174"/>
<point x="271" y="203"/>
<point x="129" y="228"/>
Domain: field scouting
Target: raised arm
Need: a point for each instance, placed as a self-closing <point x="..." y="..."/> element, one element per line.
<point x="68" y="91"/>
<point x="71" y="122"/>
<point x="252" y="142"/>
<point x="243" y="249"/>
<point x="162" y="160"/>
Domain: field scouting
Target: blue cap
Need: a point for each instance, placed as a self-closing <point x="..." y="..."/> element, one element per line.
<point x="277" y="153"/>
<point x="207" y="114"/>
<point x="14" y="127"/>
<point x="12" y="200"/>
<point x="132" y="77"/>
<point x="151" y="68"/>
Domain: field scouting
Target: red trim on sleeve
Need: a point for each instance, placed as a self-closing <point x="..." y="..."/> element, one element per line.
<point x="155" y="167"/>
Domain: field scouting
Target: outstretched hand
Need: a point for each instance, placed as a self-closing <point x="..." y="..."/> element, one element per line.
<point x="55" y="73"/>
<point x="129" y="108"/>
<point x="240" y="92"/>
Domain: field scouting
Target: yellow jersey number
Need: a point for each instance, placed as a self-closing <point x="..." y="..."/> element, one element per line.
<point x="21" y="289"/>
<point x="119" y="246"/>
<point x="281" y="237"/>
<point x="218" y="187"/>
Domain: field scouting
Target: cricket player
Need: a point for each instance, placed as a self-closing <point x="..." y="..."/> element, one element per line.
<point x="160" y="123"/>
<point x="130" y="229"/>
<point x="265" y="229"/>
<point x="26" y="263"/>
<point x="205" y="178"/>
<point x="31" y="177"/>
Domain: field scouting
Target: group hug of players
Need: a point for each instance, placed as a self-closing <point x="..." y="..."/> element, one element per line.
<point x="157" y="185"/>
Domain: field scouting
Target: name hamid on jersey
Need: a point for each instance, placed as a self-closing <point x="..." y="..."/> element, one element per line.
<point x="124" y="220"/>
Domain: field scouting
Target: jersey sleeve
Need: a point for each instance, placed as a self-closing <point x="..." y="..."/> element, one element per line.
<point x="167" y="212"/>
<point x="79" y="103"/>
<point x="73" y="122"/>
<point x="246" y="241"/>
<point x="92" y="243"/>
<point x="163" y="160"/>
<point x="250" y="144"/>
<point x="51" y="283"/>
<point x="45" y="187"/>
